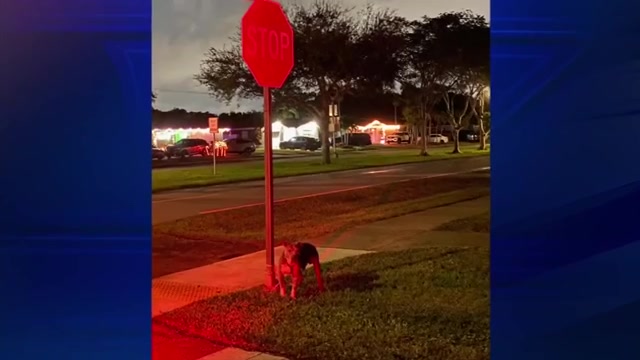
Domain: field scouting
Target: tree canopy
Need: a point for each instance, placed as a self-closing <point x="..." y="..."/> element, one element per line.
<point x="181" y="118"/>
<point x="343" y="52"/>
<point x="338" y="49"/>
<point x="446" y="67"/>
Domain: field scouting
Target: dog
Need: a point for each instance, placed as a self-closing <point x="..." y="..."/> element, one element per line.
<point x="293" y="261"/>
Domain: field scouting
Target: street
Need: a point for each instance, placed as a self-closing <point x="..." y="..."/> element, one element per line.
<point x="174" y="205"/>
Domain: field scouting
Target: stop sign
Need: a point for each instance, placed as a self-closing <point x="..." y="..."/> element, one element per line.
<point x="267" y="43"/>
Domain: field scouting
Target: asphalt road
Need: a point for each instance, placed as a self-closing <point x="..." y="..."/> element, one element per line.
<point x="173" y="205"/>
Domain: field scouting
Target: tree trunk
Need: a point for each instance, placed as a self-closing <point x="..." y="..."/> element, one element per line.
<point x="426" y="129"/>
<point x="455" y="132"/>
<point x="424" y="151"/>
<point x="483" y="142"/>
<point x="324" y="130"/>
<point x="482" y="136"/>
<point x="324" y="140"/>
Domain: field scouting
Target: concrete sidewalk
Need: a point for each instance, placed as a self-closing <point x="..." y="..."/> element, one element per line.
<point x="186" y="287"/>
<point x="239" y="354"/>
<point x="180" y="289"/>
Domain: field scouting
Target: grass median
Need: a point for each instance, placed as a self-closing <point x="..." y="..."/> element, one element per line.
<point x="180" y="178"/>
<point x="479" y="224"/>
<point x="201" y="240"/>
<point x="430" y="303"/>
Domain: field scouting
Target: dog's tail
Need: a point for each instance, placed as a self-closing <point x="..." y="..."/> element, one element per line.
<point x="318" y="270"/>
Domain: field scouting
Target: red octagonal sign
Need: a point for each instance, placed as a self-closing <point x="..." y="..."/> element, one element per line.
<point x="267" y="43"/>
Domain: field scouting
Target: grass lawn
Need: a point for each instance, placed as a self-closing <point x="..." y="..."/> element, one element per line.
<point x="178" y="178"/>
<point x="430" y="303"/>
<point x="204" y="239"/>
<point x="479" y="223"/>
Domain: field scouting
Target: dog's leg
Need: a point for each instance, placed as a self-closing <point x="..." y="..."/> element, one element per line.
<point x="318" y="270"/>
<point x="281" y="270"/>
<point x="296" y="274"/>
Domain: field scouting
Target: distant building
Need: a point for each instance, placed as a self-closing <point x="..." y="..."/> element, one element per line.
<point x="377" y="130"/>
<point x="280" y="132"/>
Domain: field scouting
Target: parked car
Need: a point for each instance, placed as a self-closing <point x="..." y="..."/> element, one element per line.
<point x="188" y="147"/>
<point x="240" y="146"/>
<point x="301" y="143"/>
<point x="438" y="139"/>
<point x="398" y="138"/>
<point x="359" y="139"/>
<point x="157" y="153"/>
<point x="468" y="135"/>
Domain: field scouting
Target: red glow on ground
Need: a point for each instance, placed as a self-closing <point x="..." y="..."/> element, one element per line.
<point x="168" y="344"/>
<point x="195" y="331"/>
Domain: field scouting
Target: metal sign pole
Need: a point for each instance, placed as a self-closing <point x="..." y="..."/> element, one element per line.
<point x="214" y="154"/>
<point x="213" y="129"/>
<point x="268" y="189"/>
<point x="270" y="70"/>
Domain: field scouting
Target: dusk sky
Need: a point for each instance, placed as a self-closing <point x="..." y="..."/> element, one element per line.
<point x="183" y="30"/>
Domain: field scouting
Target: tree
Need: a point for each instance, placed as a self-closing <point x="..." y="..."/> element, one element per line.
<point x="419" y="104"/>
<point x="458" y="115"/>
<point x="485" y="129"/>
<point x="412" y="118"/>
<point x="484" y="117"/>
<point x="424" y="73"/>
<point x="290" y="117"/>
<point x="462" y="49"/>
<point x="338" y="50"/>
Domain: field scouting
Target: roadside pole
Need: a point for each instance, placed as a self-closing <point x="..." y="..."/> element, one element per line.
<point x="267" y="49"/>
<point x="214" y="154"/>
<point x="268" y="188"/>
<point x="213" y="129"/>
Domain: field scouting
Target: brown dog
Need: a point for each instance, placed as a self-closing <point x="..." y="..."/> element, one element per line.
<point x="293" y="261"/>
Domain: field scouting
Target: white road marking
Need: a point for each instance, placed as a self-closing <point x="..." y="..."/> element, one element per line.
<point x="379" y="171"/>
